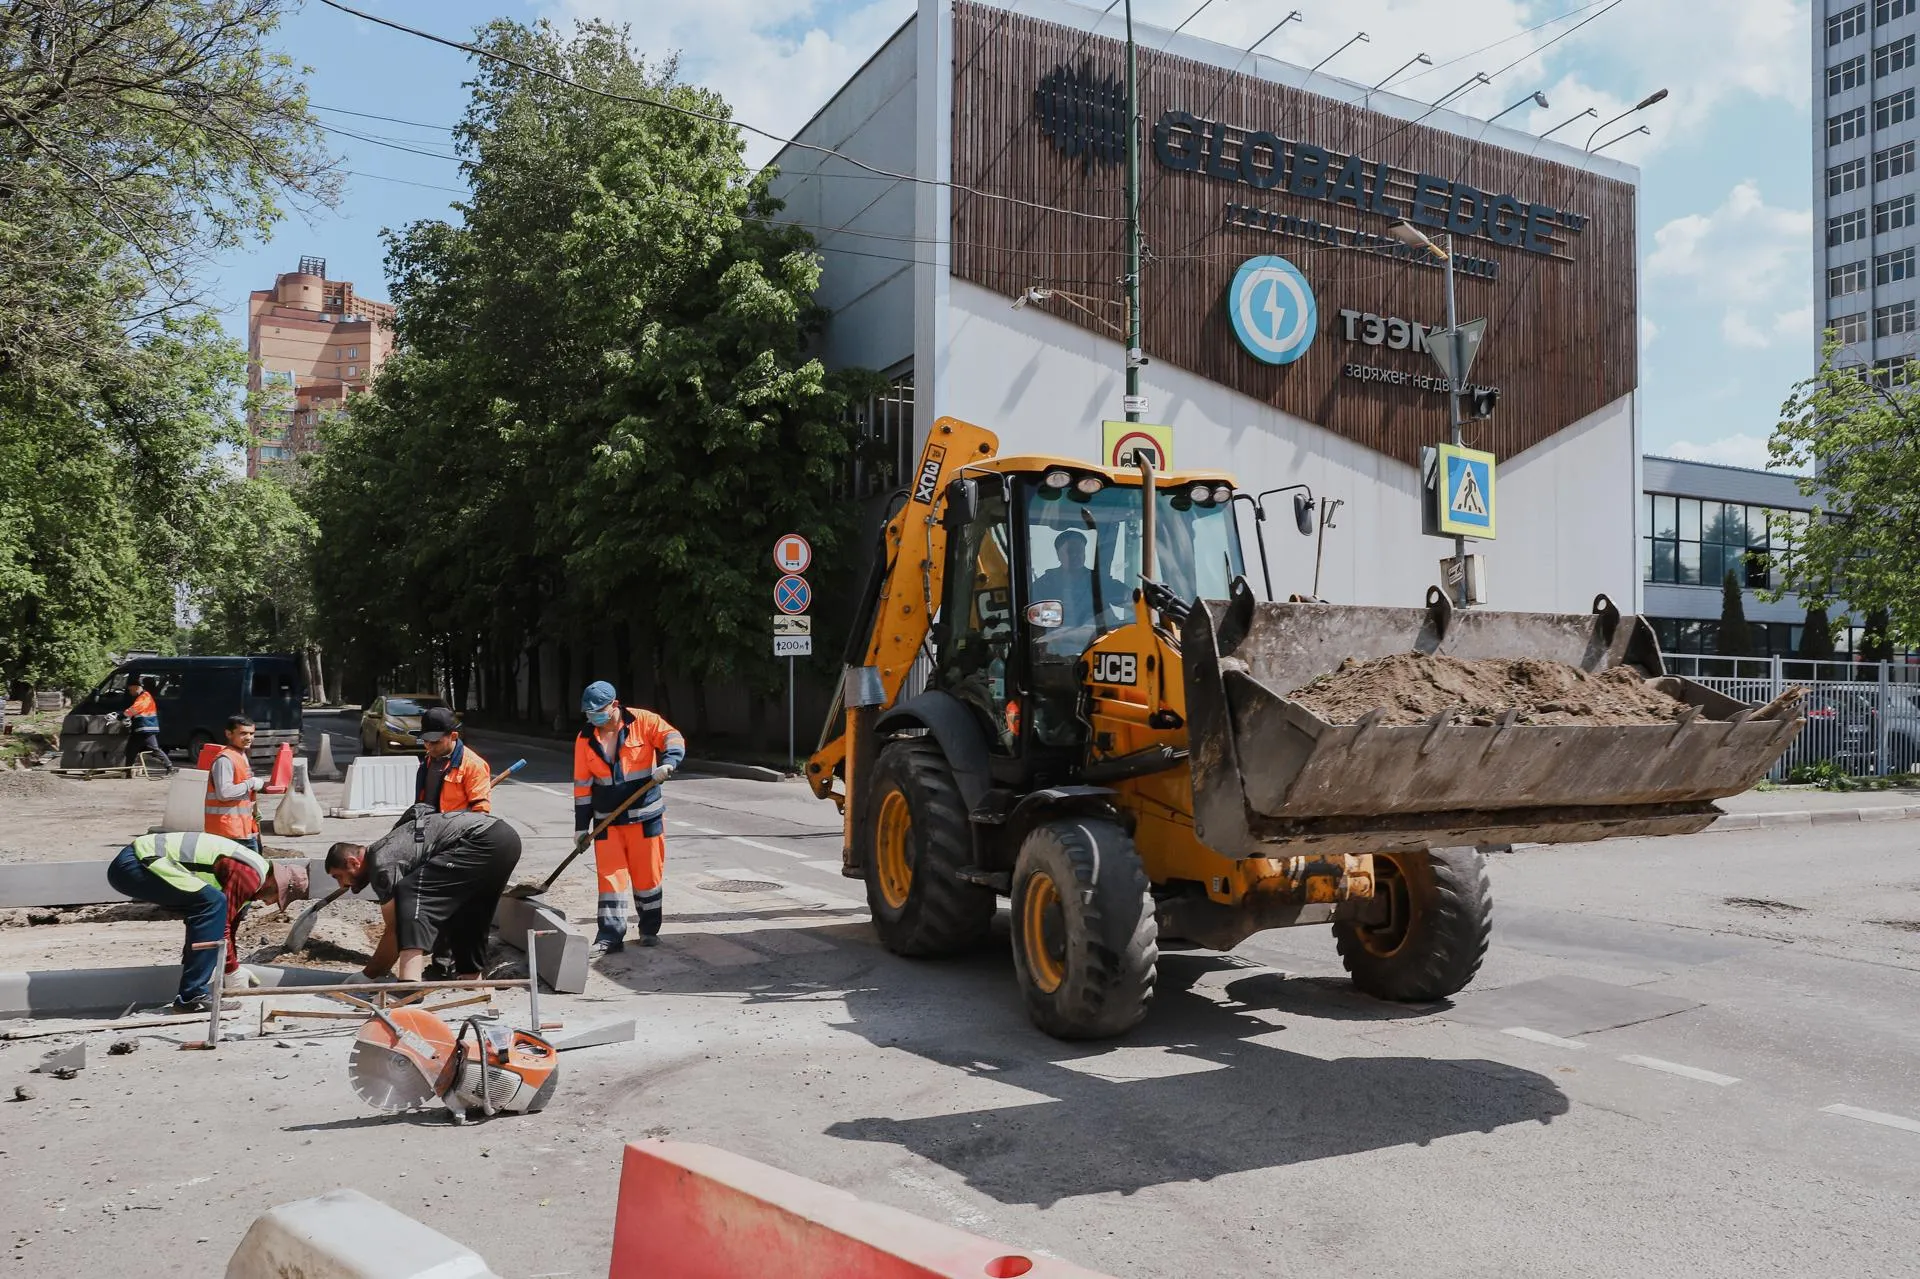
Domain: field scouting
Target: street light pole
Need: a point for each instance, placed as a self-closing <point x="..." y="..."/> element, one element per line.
<point x="1453" y="408"/>
<point x="1133" y="352"/>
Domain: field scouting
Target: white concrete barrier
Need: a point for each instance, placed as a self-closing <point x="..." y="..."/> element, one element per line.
<point x="186" y="801"/>
<point x="344" y="1234"/>
<point x="324" y="769"/>
<point x="378" y="787"/>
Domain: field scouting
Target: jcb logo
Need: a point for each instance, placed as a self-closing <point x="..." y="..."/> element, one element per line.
<point x="1115" y="668"/>
<point x="929" y="475"/>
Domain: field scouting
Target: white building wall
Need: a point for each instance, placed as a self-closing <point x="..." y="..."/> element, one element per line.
<point x="1566" y="507"/>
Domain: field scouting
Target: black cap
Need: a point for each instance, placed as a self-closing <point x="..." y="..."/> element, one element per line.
<point x="435" y="723"/>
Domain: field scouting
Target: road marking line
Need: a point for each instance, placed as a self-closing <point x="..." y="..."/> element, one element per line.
<point x="703" y="830"/>
<point x="1541" y="1037"/>
<point x="765" y="848"/>
<point x="1685" y="1072"/>
<point x="1873" y="1117"/>
<point x="831" y="867"/>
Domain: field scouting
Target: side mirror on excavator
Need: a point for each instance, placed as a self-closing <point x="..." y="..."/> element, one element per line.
<point x="963" y="504"/>
<point x="1303" y="513"/>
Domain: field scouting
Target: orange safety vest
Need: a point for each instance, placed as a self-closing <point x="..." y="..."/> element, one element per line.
<point x="600" y="782"/>
<point x="232" y="818"/>
<point x="466" y="786"/>
<point x="143" y="716"/>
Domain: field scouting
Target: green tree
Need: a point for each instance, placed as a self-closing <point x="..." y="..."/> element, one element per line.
<point x="1735" y="638"/>
<point x="1855" y="436"/>
<point x="1876" y="642"/>
<point x="1816" y="636"/>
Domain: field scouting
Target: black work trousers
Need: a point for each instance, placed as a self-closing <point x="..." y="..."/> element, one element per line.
<point x="446" y="905"/>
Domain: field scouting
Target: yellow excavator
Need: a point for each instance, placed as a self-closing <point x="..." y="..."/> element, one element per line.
<point x="1099" y="730"/>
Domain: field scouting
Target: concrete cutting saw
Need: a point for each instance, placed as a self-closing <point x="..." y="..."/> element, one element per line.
<point x="410" y="1059"/>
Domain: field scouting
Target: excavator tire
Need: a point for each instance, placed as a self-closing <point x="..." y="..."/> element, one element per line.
<point x="1440" y="914"/>
<point x="1085" y="941"/>
<point x="917" y="838"/>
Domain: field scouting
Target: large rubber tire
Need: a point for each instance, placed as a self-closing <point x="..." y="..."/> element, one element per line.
<point x="1085" y="941"/>
<point x="917" y="837"/>
<point x="1440" y="916"/>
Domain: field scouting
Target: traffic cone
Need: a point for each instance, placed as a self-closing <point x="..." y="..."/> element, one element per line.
<point x="208" y="753"/>
<point x="324" y="769"/>
<point x="282" y="776"/>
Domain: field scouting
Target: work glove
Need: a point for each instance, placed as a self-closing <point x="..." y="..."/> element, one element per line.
<point x="243" y="978"/>
<point x="256" y="784"/>
<point x="662" y="773"/>
<point x="362" y="979"/>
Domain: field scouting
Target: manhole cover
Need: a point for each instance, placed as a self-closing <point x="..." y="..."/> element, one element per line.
<point x="738" y="886"/>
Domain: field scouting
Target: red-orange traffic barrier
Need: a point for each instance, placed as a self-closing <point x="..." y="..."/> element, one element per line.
<point x="694" y="1212"/>
<point x="209" y="751"/>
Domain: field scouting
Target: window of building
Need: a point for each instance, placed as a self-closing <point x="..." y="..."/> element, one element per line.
<point x="1846" y="228"/>
<point x="1885" y="11"/>
<point x="1893" y="162"/>
<point x="353" y="353"/>
<point x="1846" y="126"/>
<point x="1893" y="109"/>
<point x="1850" y="74"/>
<point x="1891" y="215"/>
<point x="1889" y="58"/>
<point x="1845" y="26"/>
<point x="1893" y="371"/>
<point x="1891" y="321"/>
<point x="1890" y="267"/>
<point x="1693" y="542"/>
<point x="353" y="370"/>
<point x="1851" y="278"/>
<point x="1848" y="329"/>
<point x="1851" y="176"/>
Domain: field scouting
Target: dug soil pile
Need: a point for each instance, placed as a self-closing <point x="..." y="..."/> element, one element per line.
<point x="1414" y="687"/>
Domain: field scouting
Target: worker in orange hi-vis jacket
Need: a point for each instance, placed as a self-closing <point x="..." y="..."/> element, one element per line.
<point x="623" y="750"/>
<point x="143" y="726"/>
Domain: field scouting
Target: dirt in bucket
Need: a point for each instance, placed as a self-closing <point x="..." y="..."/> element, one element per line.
<point x="1414" y="687"/>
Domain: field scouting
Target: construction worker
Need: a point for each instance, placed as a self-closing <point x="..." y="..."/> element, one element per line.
<point x="231" y="787"/>
<point x="623" y="750"/>
<point x="143" y="725"/>
<point x="211" y="880"/>
<point x="452" y="777"/>
<point x="438" y="878"/>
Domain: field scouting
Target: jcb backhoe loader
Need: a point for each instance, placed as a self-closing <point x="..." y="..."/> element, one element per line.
<point x="1105" y="738"/>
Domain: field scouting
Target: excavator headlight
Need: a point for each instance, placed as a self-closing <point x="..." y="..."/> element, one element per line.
<point x="1089" y="485"/>
<point x="1201" y="493"/>
<point x="1056" y="479"/>
<point x="1222" y="494"/>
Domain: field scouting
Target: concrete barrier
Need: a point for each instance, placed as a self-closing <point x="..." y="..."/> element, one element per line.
<point x="344" y="1234"/>
<point x="324" y="769"/>
<point x="561" y="958"/>
<point x="186" y="801"/>
<point x="72" y="992"/>
<point x="378" y="787"/>
<point x="695" y="1212"/>
<point x="56" y="884"/>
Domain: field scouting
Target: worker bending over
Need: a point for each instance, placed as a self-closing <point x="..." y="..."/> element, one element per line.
<point x="452" y="777"/>
<point x="231" y="786"/>
<point x="143" y="725"/>
<point x="438" y="878"/>
<point x="212" y="881"/>
<point x="621" y="751"/>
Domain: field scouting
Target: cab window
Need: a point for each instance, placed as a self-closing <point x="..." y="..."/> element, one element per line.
<point x="975" y="629"/>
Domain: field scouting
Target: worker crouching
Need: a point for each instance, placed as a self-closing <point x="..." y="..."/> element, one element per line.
<point x="624" y="751"/>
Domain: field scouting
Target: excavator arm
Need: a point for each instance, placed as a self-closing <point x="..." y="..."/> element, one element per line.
<point x="896" y="609"/>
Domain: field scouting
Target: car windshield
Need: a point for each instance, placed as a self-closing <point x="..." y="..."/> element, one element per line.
<point x="411" y="705"/>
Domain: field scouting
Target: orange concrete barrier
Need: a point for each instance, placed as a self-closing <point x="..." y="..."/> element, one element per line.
<point x="694" y="1212"/>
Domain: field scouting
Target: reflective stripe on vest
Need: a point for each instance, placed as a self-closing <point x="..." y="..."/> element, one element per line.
<point x="186" y="859"/>
<point x="232" y="818"/>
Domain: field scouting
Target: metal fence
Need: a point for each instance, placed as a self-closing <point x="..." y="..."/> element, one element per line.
<point x="1862" y="716"/>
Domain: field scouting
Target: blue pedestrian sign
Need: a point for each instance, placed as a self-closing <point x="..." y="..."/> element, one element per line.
<point x="1466" y="492"/>
<point x="791" y="594"/>
<point x="1272" y="309"/>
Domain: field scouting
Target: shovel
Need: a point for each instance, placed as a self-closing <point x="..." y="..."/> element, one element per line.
<point x="531" y="889"/>
<point x="302" y="929"/>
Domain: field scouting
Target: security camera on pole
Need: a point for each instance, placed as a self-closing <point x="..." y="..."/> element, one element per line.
<point x="792" y="628"/>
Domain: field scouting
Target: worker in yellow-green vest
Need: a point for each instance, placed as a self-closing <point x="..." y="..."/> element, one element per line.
<point x="211" y="880"/>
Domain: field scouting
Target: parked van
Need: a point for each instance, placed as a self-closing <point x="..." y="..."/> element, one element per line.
<point x="195" y="696"/>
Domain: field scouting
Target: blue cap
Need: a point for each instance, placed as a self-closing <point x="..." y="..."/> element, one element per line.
<point x="599" y="694"/>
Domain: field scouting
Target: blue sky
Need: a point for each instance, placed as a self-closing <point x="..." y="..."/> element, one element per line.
<point x="1725" y="232"/>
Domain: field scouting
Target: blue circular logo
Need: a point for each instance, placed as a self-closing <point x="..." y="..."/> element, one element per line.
<point x="1273" y="310"/>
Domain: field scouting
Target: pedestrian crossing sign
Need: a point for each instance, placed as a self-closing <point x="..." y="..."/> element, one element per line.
<point x="1466" y="492"/>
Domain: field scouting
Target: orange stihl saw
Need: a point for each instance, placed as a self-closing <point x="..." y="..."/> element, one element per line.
<point x="409" y="1059"/>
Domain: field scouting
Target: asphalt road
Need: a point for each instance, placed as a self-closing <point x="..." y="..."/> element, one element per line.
<point x="1684" y="1057"/>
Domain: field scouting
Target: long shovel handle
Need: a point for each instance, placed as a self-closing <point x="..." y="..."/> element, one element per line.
<point x="580" y="845"/>
<point x="507" y="772"/>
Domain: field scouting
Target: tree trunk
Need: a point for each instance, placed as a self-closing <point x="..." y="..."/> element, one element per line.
<point x="757" y="722"/>
<point x="533" y="682"/>
<point x="460" y="672"/>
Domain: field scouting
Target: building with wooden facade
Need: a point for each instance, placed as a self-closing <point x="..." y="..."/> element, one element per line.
<point x="1284" y="330"/>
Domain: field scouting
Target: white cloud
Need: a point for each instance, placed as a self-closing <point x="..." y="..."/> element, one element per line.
<point x="1739" y="330"/>
<point x="1748" y="259"/>
<point x="1731" y="450"/>
<point x="1795" y="326"/>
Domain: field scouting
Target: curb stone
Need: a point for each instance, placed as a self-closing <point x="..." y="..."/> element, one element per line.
<point x="1817" y="817"/>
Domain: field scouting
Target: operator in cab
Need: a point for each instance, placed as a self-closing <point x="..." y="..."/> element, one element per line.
<point x="1073" y="584"/>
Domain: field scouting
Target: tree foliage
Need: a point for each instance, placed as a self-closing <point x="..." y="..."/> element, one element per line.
<point x="603" y="410"/>
<point x="1736" y="638"/>
<point x="1856" y="437"/>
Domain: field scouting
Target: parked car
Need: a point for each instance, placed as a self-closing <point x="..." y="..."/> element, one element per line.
<point x="1903" y="730"/>
<point x="390" y="724"/>
<point x="195" y="695"/>
<point x="1842" y="727"/>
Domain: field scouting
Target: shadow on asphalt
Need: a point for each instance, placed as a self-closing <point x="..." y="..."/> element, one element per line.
<point x="1203" y="1100"/>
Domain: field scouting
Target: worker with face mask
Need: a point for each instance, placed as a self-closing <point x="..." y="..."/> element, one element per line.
<point x="621" y="751"/>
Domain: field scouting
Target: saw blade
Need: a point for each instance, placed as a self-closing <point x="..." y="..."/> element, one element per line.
<point x="387" y="1078"/>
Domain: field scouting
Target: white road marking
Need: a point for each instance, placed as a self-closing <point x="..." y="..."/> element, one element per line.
<point x="1685" y="1072"/>
<point x="1873" y="1117"/>
<point x="1132" y="1065"/>
<point x="1541" y="1037"/>
<point x="765" y="848"/>
<point x="831" y="867"/>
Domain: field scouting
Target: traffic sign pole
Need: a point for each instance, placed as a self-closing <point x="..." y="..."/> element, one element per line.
<point x="791" y="756"/>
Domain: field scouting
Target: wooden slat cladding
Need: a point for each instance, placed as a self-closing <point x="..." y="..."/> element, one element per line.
<point x="1561" y="340"/>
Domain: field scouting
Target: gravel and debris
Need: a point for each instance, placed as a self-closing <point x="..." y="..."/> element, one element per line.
<point x="1414" y="687"/>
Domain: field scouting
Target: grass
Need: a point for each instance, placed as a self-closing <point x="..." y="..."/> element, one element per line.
<point x="29" y="736"/>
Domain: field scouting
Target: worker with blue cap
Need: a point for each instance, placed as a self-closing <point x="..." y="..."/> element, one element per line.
<point x="622" y="752"/>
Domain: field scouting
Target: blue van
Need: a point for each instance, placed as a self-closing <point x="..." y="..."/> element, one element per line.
<point x="195" y="696"/>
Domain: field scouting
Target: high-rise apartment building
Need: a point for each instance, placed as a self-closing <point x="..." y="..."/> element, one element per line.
<point x="311" y="342"/>
<point x="1865" y="179"/>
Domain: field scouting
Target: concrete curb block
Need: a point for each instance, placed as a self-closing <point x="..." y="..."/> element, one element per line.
<point x="1810" y="817"/>
<point x="64" y="992"/>
<point x="561" y="960"/>
<point x="744" y="772"/>
<point x="344" y="1234"/>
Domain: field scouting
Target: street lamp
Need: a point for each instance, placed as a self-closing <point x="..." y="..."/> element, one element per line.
<point x="1569" y="120"/>
<point x="1413" y="237"/>
<point x="1362" y="38"/>
<point x="1478" y="77"/>
<point x="1622" y="138"/>
<point x="1657" y="96"/>
<point x="1291" y="17"/>
<point x="1418" y="57"/>
<point x="1538" y="99"/>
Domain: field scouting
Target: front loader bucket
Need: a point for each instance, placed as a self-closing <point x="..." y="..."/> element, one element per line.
<point x="1268" y="772"/>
